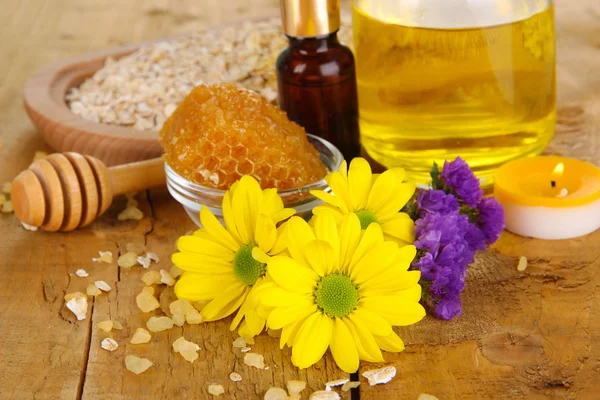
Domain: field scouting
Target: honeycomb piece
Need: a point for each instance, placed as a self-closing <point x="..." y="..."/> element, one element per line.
<point x="221" y="132"/>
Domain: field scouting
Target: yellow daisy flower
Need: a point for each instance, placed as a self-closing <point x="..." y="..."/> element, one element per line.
<point x="373" y="198"/>
<point x="341" y="289"/>
<point x="217" y="261"/>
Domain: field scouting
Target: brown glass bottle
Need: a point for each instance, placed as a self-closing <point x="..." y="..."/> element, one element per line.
<point x="317" y="89"/>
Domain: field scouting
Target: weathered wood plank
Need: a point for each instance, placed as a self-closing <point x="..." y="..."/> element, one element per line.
<point x="532" y="334"/>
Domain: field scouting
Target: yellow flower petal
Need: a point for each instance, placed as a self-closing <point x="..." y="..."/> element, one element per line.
<point x="320" y="256"/>
<point x="245" y="203"/>
<point x="344" y="169"/>
<point x="350" y="232"/>
<point x="399" y="172"/>
<point x="398" y="310"/>
<point x="292" y="276"/>
<point x="202" y="263"/>
<point x="374" y="262"/>
<point x="339" y="186"/>
<point x="312" y="341"/>
<point x="276" y="296"/>
<point x="217" y="232"/>
<point x="199" y="287"/>
<point x="376" y="324"/>
<point x="359" y="181"/>
<point x="226" y="302"/>
<point x="259" y="255"/>
<point x="412" y="293"/>
<point x="271" y="202"/>
<point x="282" y="215"/>
<point x="328" y="209"/>
<point x="400" y="227"/>
<point x="390" y="281"/>
<point x="382" y="200"/>
<point x="238" y="316"/>
<point x="282" y="316"/>
<point x="343" y="348"/>
<point x="371" y="237"/>
<point x="405" y="192"/>
<point x="326" y="197"/>
<point x="299" y="235"/>
<point x="281" y="243"/>
<point x="254" y="323"/>
<point x="199" y="245"/>
<point x="366" y="338"/>
<point x="392" y="343"/>
<point x="326" y="229"/>
<point x="405" y="257"/>
<point x="266" y="233"/>
<point x="229" y="218"/>
<point x="363" y="354"/>
<point x="288" y="333"/>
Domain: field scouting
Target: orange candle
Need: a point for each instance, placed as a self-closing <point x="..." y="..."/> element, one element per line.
<point x="549" y="197"/>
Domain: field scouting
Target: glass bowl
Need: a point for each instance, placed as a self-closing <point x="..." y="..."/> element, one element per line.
<point x="193" y="196"/>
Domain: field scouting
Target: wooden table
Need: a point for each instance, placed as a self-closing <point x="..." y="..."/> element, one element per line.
<point x="532" y="334"/>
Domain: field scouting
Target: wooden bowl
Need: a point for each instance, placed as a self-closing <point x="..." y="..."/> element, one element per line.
<point x="65" y="131"/>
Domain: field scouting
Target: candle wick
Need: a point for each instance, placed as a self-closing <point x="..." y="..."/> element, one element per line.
<point x="553" y="184"/>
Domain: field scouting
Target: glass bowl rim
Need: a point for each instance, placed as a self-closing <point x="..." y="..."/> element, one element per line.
<point x="336" y="154"/>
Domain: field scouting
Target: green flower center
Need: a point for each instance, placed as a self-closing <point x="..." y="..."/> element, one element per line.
<point x="336" y="295"/>
<point x="366" y="218"/>
<point x="245" y="267"/>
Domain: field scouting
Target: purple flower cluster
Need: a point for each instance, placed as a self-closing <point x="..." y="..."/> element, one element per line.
<point x="462" y="182"/>
<point x="452" y="223"/>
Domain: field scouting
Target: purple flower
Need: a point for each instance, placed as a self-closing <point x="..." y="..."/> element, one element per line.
<point x="436" y="201"/>
<point x="472" y="235"/>
<point x="444" y="253"/>
<point x="458" y="177"/>
<point x="449" y="307"/>
<point x="491" y="219"/>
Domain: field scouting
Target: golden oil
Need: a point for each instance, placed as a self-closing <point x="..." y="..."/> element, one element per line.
<point x="429" y="93"/>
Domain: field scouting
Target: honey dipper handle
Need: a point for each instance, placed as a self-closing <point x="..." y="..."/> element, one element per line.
<point x="137" y="176"/>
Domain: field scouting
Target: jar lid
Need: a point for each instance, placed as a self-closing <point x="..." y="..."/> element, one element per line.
<point x="309" y="18"/>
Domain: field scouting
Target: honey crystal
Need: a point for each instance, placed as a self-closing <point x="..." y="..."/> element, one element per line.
<point x="141" y="336"/>
<point x="109" y="344"/>
<point x="158" y="324"/>
<point x="127" y="260"/>
<point x="151" y="278"/>
<point x="146" y="302"/>
<point x="137" y="365"/>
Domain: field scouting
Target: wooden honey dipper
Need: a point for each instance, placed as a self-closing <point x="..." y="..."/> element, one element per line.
<point x="65" y="191"/>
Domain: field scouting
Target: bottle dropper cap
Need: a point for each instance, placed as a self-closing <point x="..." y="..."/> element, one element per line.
<point x="309" y="18"/>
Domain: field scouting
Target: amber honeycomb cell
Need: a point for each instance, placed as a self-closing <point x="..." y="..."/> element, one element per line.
<point x="221" y="132"/>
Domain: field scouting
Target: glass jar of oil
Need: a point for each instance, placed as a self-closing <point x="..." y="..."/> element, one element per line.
<point x="442" y="78"/>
